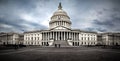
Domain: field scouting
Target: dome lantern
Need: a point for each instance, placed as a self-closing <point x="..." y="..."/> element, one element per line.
<point x="60" y="6"/>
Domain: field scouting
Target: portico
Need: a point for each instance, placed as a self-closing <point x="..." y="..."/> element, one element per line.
<point x="60" y="35"/>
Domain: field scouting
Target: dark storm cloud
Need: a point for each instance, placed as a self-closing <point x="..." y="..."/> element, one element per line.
<point x="111" y="21"/>
<point x="9" y="16"/>
<point x="18" y="25"/>
<point x="91" y="15"/>
<point x="105" y="23"/>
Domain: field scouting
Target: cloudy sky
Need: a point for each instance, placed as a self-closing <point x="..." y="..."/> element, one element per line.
<point x="89" y="15"/>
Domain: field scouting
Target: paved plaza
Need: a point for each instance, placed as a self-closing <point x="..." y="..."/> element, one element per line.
<point x="60" y="54"/>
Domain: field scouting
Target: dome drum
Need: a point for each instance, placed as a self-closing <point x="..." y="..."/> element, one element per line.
<point x="60" y="21"/>
<point x="60" y="16"/>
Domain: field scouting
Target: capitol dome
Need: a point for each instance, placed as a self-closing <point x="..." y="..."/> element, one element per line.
<point x="60" y="18"/>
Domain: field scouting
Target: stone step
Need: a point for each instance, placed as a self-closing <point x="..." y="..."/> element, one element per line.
<point x="62" y="43"/>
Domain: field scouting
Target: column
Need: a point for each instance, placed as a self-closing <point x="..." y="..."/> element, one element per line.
<point x="65" y="24"/>
<point x="64" y="35"/>
<point x="56" y="36"/>
<point x="60" y="22"/>
<point x="67" y="35"/>
<point x="59" y="36"/>
<point x="53" y="36"/>
<point x="43" y="35"/>
<point x="48" y="35"/>
<point x="78" y="36"/>
<point x="71" y="36"/>
<point x="74" y="36"/>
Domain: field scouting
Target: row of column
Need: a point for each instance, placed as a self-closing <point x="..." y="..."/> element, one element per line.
<point x="62" y="23"/>
<point x="60" y="36"/>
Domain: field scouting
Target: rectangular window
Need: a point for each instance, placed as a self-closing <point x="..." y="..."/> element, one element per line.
<point x="81" y="38"/>
<point x="31" y="38"/>
<point x="38" y="38"/>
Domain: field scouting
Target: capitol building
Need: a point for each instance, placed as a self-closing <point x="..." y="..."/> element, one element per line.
<point x="60" y="33"/>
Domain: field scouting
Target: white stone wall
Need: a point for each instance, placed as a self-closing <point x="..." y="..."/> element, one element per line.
<point x="10" y="38"/>
<point x="32" y="38"/>
<point x="110" y="40"/>
<point x="88" y="38"/>
<point x="15" y="39"/>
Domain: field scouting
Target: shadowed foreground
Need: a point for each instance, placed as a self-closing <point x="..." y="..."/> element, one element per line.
<point x="60" y="54"/>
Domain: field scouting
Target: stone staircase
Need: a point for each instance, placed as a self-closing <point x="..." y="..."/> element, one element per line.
<point x="62" y="43"/>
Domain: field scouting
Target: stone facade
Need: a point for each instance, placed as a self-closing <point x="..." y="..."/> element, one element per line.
<point x="11" y="38"/>
<point x="109" y="38"/>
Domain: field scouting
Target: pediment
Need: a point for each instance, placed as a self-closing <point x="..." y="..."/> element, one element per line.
<point x="60" y="28"/>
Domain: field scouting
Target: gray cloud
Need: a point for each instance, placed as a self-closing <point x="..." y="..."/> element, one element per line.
<point x="111" y="22"/>
<point x="91" y="15"/>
